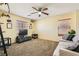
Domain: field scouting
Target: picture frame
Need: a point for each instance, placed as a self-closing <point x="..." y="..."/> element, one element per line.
<point x="9" y="25"/>
<point x="30" y="27"/>
<point x="63" y="26"/>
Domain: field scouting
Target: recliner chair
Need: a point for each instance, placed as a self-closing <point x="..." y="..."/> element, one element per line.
<point x="22" y="36"/>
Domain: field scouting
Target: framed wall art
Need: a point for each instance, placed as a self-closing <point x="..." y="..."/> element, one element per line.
<point x="9" y="25"/>
<point x="63" y="26"/>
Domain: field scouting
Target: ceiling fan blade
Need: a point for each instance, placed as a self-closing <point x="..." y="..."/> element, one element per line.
<point x="45" y="9"/>
<point x="28" y="15"/>
<point x="35" y="8"/>
<point x="45" y="13"/>
<point x="39" y="9"/>
<point x="1" y="3"/>
<point x="34" y="12"/>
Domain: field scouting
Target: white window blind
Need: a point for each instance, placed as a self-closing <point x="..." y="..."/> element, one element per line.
<point x="22" y="25"/>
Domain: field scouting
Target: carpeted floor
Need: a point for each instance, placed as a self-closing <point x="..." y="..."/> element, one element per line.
<point x="36" y="47"/>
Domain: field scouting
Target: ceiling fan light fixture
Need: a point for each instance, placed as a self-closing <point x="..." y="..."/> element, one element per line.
<point x="39" y="13"/>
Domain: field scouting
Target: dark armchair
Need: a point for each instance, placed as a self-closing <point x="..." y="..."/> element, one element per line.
<point x="22" y="36"/>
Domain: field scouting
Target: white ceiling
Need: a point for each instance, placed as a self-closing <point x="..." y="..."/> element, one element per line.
<point x="24" y="9"/>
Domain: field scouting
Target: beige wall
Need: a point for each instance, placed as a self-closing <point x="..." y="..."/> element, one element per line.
<point x="47" y="27"/>
<point x="13" y="32"/>
<point x="77" y="21"/>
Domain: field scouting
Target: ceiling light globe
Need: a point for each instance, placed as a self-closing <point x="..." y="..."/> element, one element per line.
<point x="39" y="12"/>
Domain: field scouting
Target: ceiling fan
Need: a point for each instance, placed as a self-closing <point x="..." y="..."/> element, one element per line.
<point x="40" y="11"/>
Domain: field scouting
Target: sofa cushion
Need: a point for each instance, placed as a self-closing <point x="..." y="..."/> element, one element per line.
<point x="70" y="37"/>
<point x="76" y="39"/>
<point x="65" y="36"/>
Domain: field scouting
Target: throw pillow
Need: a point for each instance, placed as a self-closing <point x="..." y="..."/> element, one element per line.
<point x="70" y="37"/>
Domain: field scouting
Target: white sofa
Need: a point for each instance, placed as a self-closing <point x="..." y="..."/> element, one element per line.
<point x="66" y="52"/>
<point x="62" y="50"/>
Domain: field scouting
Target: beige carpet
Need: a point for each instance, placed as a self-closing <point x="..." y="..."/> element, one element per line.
<point x="36" y="47"/>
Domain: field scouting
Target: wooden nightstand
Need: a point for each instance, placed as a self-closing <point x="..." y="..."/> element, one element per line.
<point x="34" y="36"/>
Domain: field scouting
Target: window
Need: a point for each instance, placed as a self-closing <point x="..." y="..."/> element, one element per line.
<point x="21" y="25"/>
